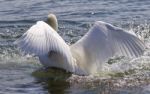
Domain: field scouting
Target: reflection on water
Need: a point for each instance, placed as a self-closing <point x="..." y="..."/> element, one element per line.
<point x="58" y="81"/>
<point x="53" y="80"/>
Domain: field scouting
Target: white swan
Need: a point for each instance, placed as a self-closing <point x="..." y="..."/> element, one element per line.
<point x="84" y="57"/>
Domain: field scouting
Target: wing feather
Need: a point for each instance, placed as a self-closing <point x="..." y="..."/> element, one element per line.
<point x="40" y="39"/>
<point x="105" y="40"/>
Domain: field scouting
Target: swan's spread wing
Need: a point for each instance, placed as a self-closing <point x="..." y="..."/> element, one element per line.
<point x="41" y="39"/>
<point x="104" y="41"/>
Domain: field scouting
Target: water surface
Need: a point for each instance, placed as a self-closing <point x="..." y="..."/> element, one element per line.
<point x="23" y="74"/>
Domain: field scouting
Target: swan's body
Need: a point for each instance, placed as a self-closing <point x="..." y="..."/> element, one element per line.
<point x="87" y="55"/>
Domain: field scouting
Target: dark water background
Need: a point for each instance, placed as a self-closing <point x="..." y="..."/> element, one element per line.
<point x="17" y="72"/>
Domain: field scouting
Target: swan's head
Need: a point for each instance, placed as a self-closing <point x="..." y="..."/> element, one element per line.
<point x="52" y="21"/>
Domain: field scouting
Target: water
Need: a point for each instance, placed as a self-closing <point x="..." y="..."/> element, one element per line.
<point x="23" y="74"/>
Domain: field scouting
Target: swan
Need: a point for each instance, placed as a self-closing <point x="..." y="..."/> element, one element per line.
<point x="87" y="55"/>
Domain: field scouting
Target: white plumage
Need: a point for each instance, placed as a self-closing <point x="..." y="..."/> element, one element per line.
<point x="44" y="41"/>
<point x="87" y="55"/>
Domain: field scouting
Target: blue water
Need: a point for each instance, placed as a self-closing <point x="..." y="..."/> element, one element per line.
<point x="21" y="75"/>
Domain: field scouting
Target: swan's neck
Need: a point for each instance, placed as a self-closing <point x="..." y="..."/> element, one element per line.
<point x="52" y="21"/>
